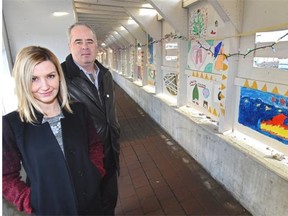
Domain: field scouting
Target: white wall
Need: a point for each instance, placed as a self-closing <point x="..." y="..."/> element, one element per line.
<point x="30" y="22"/>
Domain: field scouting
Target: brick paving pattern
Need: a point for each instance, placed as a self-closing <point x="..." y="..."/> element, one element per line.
<point x="158" y="177"/>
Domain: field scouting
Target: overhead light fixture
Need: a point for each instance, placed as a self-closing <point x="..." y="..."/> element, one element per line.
<point x="131" y="21"/>
<point x="60" y="13"/>
<point x="146" y="12"/>
<point x="147" y="6"/>
<point x="147" y="9"/>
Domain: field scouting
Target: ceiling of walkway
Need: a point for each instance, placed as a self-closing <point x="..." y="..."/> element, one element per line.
<point x="106" y="15"/>
<point x="33" y="21"/>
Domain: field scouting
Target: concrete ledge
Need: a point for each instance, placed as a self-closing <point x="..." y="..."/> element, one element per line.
<point x="259" y="184"/>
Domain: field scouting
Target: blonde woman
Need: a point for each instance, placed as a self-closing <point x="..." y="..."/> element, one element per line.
<point x="55" y="142"/>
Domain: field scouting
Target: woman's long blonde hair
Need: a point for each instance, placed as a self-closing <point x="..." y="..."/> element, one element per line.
<point x="26" y="60"/>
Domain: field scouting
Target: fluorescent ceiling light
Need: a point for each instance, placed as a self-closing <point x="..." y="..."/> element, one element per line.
<point x="131" y="21"/>
<point x="147" y="5"/>
<point x="59" y="13"/>
<point x="145" y="12"/>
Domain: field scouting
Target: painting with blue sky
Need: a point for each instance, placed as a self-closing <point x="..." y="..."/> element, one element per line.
<point x="264" y="112"/>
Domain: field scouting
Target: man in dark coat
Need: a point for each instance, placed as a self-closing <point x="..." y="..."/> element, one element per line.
<point x="91" y="83"/>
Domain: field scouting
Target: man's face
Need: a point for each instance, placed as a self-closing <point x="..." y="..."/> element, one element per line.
<point x="83" y="46"/>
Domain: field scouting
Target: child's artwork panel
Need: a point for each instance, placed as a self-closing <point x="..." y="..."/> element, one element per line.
<point x="198" y="22"/>
<point x="198" y="58"/>
<point x="203" y="93"/>
<point x="267" y="113"/>
<point x="151" y="76"/>
<point x="207" y="56"/>
<point x="170" y="80"/>
<point x="204" y="23"/>
<point x="150" y="50"/>
<point x="205" y="52"/>
<point x="140" y="73"/>
<point x="131" y="63"/>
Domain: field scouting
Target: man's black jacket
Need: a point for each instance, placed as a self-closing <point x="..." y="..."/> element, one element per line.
<point x="103" y="112"/>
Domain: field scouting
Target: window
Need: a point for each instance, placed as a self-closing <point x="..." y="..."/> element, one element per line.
<point x="276" y="57"/>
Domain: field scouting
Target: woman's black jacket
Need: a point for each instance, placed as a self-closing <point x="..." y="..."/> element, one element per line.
<point x="59" y="185"/>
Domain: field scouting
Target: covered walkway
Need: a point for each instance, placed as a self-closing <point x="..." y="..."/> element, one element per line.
<point x="158" y="177"/>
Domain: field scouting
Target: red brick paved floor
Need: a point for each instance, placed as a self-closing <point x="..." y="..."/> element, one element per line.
<point x="157" y="176"/>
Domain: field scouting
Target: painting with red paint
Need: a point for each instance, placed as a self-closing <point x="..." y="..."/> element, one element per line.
<point x="264" y="112"/>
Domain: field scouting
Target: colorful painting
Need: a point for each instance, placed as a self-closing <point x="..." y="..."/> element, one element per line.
<point x="198" y="23"/>
<point x="151" y="76"/>
<point x="170" y="81"/>
<point x="131" y="62"/>
<point x="207" y="56"/>
<point x="204" y="93"/>
<point x="150" y="50"/>
<point x="213" y="29"/>
<point x="221" y="63"/>
<point x="264" y="112"/>
<point x="139" y="63"/>
<point x="198" y="58"/>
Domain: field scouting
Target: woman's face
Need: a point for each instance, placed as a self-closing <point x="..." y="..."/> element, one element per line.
<point x="45" y="83"/>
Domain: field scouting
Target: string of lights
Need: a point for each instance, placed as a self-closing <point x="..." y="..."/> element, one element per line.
<point x="248" y="51"/>
<point x="171" y="36"/>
